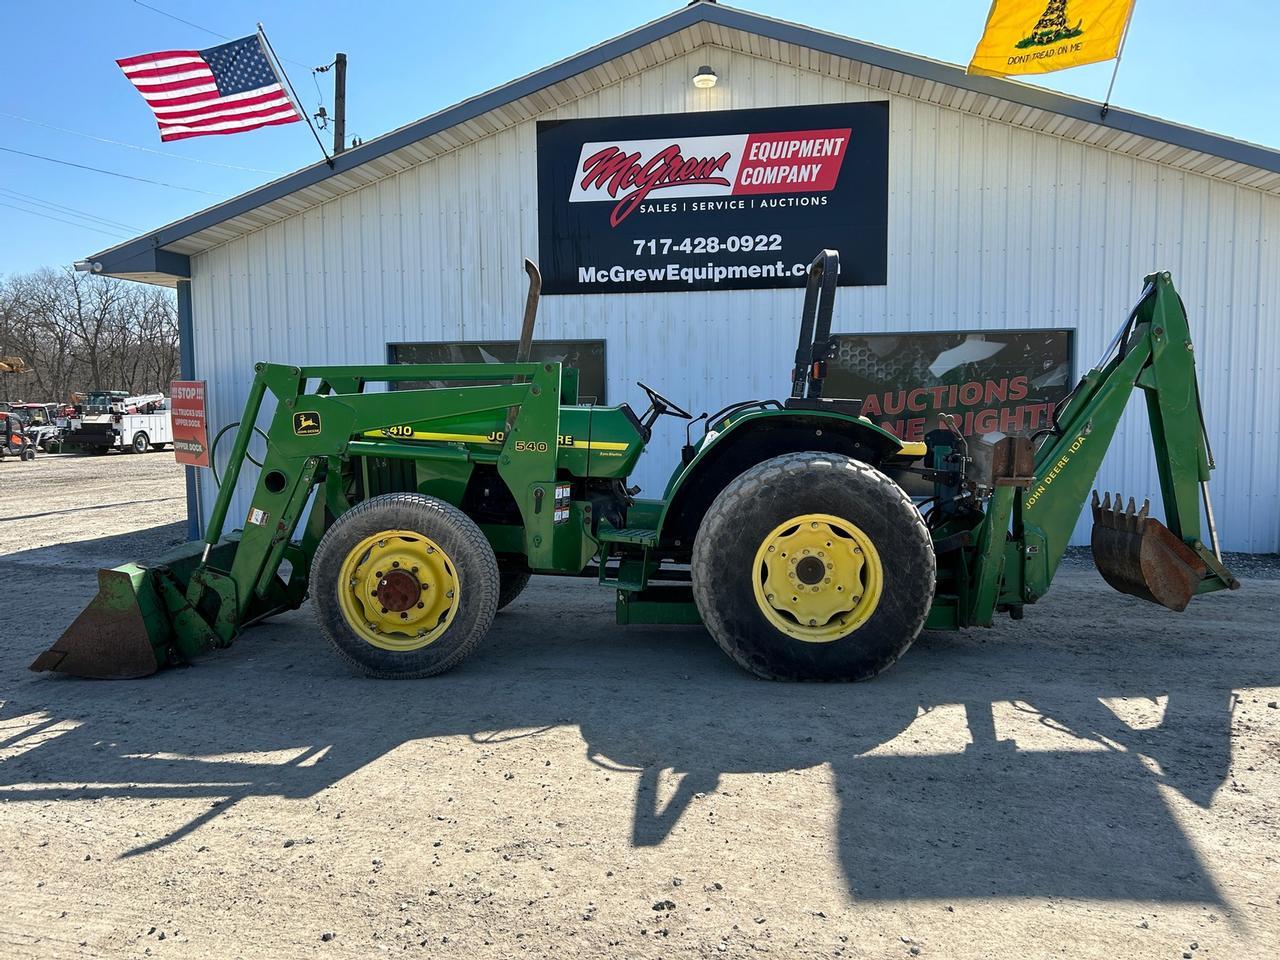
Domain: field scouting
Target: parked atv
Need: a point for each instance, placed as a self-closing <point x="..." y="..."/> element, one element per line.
<point x="14" y="437"/>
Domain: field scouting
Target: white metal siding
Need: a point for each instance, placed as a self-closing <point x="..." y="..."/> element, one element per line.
<point x="990" y="226"/>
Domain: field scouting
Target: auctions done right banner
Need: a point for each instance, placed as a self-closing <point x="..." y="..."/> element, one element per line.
<point x="1006" y="381"/>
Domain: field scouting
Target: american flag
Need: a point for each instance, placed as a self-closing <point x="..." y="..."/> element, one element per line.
<point x="229" y="88"/>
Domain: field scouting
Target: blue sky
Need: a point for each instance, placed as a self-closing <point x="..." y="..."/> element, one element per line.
<point x="1207" y="65"/>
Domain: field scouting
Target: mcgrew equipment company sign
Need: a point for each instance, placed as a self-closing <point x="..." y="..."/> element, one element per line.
<point x="729" y="200"/>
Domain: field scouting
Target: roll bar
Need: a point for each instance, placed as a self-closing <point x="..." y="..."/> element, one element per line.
<point x="814" y="347"/>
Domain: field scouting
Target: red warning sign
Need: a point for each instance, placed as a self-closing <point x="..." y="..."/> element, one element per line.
<point x="190" y="427"/>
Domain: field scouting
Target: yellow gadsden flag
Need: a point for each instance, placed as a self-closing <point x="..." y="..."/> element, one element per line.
<point x="1038" y="36"/>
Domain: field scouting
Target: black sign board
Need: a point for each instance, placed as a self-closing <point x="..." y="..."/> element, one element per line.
<point x="726" y="200"/>
<point x="1005" y="381"/>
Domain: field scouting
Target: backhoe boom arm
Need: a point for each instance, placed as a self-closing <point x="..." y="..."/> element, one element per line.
<point x="1152" y="352"/>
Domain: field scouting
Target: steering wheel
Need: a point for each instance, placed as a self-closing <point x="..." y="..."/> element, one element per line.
<point x="662" y="405"/>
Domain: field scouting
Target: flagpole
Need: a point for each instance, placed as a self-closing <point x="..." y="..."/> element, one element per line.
<point x="1106" y="103"/>
<point x="280" y="71"/>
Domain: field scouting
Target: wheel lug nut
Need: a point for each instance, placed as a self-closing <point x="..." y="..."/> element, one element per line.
<point x="421" y="605"/>
<point x="395" y="563"/>
<point x="384" y="609"/>
<point x="378" y="574"/>
<point x="414" y="570"/>
<point x="404" y="616"/>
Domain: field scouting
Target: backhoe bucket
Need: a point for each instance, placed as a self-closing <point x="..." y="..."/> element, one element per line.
<point x="1138" y="555"/>
<point x="118" y="634"/>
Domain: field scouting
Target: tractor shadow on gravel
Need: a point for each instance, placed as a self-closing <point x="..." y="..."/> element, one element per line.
<point x="921" y="817"/>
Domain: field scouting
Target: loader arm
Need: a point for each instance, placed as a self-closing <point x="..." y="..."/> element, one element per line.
<point x="203" y="595"/>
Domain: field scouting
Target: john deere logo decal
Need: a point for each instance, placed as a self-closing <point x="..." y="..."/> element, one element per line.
<point x="306" y="424"/>
<point x="1051" y="27"/>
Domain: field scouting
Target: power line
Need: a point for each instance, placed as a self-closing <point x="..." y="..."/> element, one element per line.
<point x="71" y="223"/>
<point x="110" y="173"/>
<point x="134" y="146"/>
<point x="166" y="13"/>
<point x="75" y="211"/>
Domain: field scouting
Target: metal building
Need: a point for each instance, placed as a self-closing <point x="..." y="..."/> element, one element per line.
<point x="1008" y="207"/>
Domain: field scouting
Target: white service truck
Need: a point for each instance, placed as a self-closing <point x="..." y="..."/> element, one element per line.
<point x="113" y="420"/>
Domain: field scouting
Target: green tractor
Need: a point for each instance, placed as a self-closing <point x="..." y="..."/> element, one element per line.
<point x="785" y="529"/>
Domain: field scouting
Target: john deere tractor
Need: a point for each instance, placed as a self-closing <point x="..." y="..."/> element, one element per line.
<point x="785" y="529"/>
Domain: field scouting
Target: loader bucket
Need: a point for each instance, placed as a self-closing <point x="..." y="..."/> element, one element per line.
<point x="117" y="635"/>
<point x="1138" y="555"/>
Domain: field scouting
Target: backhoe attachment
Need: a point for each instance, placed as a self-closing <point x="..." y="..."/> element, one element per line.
<point x="1164" y="562"/>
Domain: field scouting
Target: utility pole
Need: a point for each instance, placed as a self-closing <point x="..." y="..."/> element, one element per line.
<point x="339" y="103"/>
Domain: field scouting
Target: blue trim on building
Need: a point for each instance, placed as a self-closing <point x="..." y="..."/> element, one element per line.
<point x="144" y="254"/>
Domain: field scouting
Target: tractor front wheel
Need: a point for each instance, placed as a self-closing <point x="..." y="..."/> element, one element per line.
<point x="511" y="585"/>
<point x="813" y="566"/>
<point x="405" y="585"/>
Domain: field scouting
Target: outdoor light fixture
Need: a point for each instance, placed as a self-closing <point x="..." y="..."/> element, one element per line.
<point x="88" y="266"/>
<point x="705" y="78"/>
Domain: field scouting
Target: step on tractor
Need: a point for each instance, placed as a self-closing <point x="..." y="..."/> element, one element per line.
<point x="785" y="528"/>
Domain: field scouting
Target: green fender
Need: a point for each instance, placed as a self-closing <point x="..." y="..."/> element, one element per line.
<point x="743" y="439"/>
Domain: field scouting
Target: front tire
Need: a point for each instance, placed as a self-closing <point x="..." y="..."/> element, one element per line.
<point x="813" y="566"/>
<point x="511" y="585"/>
<point x="405" y="585"/>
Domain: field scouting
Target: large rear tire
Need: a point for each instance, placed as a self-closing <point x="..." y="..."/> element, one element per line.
<point x="141" y="442"/>
<point x="405" y="585"/>
<point x="813" y="566"/>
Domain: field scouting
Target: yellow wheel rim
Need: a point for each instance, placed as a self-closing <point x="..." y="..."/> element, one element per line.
<point x="398" y="590"/>
<point x="817" y="577"/>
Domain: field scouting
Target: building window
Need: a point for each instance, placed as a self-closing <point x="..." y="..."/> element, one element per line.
<point x="586" y="356"/>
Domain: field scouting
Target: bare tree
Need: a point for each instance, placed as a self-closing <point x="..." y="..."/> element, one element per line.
<point x="81" y="332"/>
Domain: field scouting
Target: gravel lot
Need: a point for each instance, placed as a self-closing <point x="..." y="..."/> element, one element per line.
<point x="1099" y="780"/>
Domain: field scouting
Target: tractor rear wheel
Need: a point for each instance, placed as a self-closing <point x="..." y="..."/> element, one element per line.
<point x="511" y="584"/>
<point x="405" y="585"/>
<point x="813" y="566"/>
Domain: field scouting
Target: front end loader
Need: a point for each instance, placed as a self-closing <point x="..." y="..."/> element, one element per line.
<point x="411" y="516"/>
